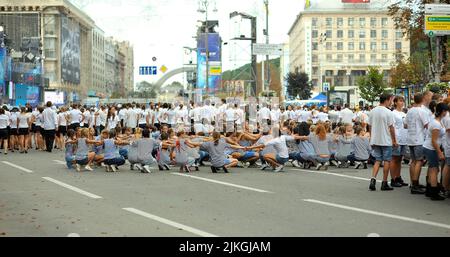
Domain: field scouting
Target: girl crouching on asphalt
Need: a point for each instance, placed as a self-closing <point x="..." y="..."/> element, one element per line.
<point x="70" y="143"/>
<point x="142" y="150"/>
<point x="216" y="149"/>
<point x="113" y="159"/>
<point x="83" y="156"/>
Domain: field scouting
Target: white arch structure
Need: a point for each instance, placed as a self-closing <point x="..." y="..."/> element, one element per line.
<point x="168" y="75"/>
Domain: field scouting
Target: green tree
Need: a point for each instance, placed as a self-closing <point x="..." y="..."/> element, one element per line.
<point x="371" y="85"/>
<point x="298" y="84"/>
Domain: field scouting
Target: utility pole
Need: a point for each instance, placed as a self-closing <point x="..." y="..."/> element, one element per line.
<point x="266" y="2"/>
<point x="438" y="66"/>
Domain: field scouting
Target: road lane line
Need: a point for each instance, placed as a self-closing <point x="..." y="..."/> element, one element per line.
<point x="17" y="166"/>
<point x="60" y="162"/>
<point x="223" y="183"/>
<point x="335" y="174"/>
<point x="170" y="223"/>
<point x="80" y="191"/>
<point x="426" y="222"/>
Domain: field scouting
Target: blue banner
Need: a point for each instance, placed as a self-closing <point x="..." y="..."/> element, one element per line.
<point x="214" y="62"/>
<point x="2" y="71"/>
<point x="27" y="94"/>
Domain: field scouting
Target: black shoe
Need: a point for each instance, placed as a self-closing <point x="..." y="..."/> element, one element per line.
<point x="422" y="186"/>
<point x="160" y="167"/>
<point x="428" y="190"/>
<point x="395" y="183"/>
<point x="435" y="196"/>
<point x="385" y="186"/>
<point x="400" y="180"/>
<point x="225" y="169"/>
<point x="416" y="190"/>
<point x="365" y="165"/>
<point x="373" y="183"/>
<point x="213" y="169"/>
<point x="166" y="167"/>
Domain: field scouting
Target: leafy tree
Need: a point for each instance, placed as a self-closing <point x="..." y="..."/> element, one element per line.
<point x="413" y="71"/>
<point x="298" y="84"/>
<point x="371" y="86"/>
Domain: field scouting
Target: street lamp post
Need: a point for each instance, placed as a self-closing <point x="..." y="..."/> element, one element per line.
<point x="266" y="3"/>
<point x="323" y="39"/>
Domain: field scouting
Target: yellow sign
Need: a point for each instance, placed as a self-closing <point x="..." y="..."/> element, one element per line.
<point x="163" y="69"/>
<point x="215" y="70"/>
<point x="437" y="23"/>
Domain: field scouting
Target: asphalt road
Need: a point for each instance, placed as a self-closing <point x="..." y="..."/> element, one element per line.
<point x="40" y="197"/>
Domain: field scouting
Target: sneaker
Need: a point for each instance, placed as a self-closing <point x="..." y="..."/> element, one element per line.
<point x="373" y="183"/>
<point x="117" y="167"/>
<point x="166" y="167"/>
<point x="325" y="166"/>
<point x="395" y="183"/>
<point x="107" y="168"/>
<point x="160" y="167"/>
<point x="416" y="190"/>
<point x="146" y="169"/>
<point x="113" y="168"/>
<point x="78" y="167"/>
<point x="357" y="165"/>
<point x="365" y="165"/>
<point x="385" y="186"/>
<point x="334" y="163"/>
<point x="139" y="167"/>
<point x="295" y="164"/>
<point x="264" y="166"/>
<point x="88" y="168"/>
<point x="319" y="166"/>
<point x="131" y="166"/>
<point x="279" y="168"/>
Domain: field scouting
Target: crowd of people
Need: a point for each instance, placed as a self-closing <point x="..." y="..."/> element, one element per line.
<point x="228" y="134"/>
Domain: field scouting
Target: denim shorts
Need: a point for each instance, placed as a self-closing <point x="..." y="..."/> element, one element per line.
<point x="281" y="160"/>
<point x="382" y="153"/>
<point x="83" y="162"/>
<point x="399" y="150"/>
<point x="247" y="155"/>
<point x="416" y="152"/>
<point x="432" y="158"/>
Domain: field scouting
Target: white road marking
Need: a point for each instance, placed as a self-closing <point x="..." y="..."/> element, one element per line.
<point x="170" y="223"/>
<point x="223" y="183"/>
<point x="335" y="174"/>
<point x="17" y="166"/>
<point x="73" y="235"/>
<point x="60" y="162"/>
<point x="373" y="235"/>
<point x="80" y="191"/>
<point x="430" y="223"/>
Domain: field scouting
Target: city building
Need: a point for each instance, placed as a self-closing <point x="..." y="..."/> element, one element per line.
<point x="336" y="42"/>
<point x="59" y="41"/>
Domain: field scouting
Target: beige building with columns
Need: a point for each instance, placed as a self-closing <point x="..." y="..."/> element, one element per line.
<point x="336" y="42"/>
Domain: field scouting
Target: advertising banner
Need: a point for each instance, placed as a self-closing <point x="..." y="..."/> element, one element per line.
<point x="57" y="98"/>
<point x="70" y="50"/>
<point x="2" y="71"/>
<point x="27" y="94"/>
<point x="214" y="63"/>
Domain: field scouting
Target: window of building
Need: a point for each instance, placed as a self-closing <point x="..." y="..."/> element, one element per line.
<point x="362" y="22"/>
<point x="398" y="45"/>
<point x="398" y="35"/>
<point x="340" y="22"/>
<point x="373" y="57"/>
<point x="339" y="58"/>
<point x="384" y="22"/>
<point x="314" y="58"/>
<point x="328" y="46"/>
<point x="314" y="22"/>
<point x="384" y="34"/>
<point x="50" y="47"/>
<point x="340" y="33"/>
<point x="398" y="57"/>
<point x="351" y="57"/>
<point x="362" y="45"/>
<point x="329" y="73"/>
<point x="351" y="34"/>
<point x="384" y="57"/>
<point x="315" y="70"/>
<point x="373" y="46"/>
<point x="351" y="46"/>
<point x="315" y="34"/>
<point x="315" y="46"/>
<point x="373" y="22"/>
<point x="351" y="22"/>
<point x="329" y="57"/>
<point x="373" y="33"/>
<point x="362" y="34"/>
<point x="340" y="46"/>
<point x="329" y="33"/>
<point x="384" y="46"/>
<point x="329" y="22"/>
<point x="362" y="57"/>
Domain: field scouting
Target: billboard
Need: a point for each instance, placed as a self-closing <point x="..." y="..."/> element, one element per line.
<point x="70" y="50"/>
<point x="26" y="94"/>
<point x="3" y="63"/>
<point x="356" y="1"/>
<point x="215" y="65"/>
<point x="57" y="98"/>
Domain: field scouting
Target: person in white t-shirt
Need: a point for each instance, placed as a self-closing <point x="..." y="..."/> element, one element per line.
<point x="132" y="117"/>
<point x="382" y="139"/>
<point x="346" y="116"/>
<point x="446" y="145"/>
<point x="401" y="133"/>
<point x="75" y="117"/>
<point x="432" y="150"/>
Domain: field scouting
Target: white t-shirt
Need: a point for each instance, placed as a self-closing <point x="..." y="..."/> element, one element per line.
<point x="401" y="133"/>
<point x="322" y="116"/>
<point x="171" y="117"/>
<point x="4" y="121"/>
<point x="23" y="120"/>
<point x="346" y="116"/>
<point x="230" y="115"/>
<point x="264" y="114"/>
<point x="446" y="142"/>
<point x="142" y="116"/>
<point x="13" y="119"/>
<point x="132" y="118"/>
<point x="75" y="116"/>
<point x="304" y="116"/>
<point x="433" y="125"/>
<point x="280" y="146"/>
<point x="381" y="118"/>
<point x="112" y="122"/>
<point x="416" y="119"/>
<point x="275" y="115"/>
<point x="62" y="119"/>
